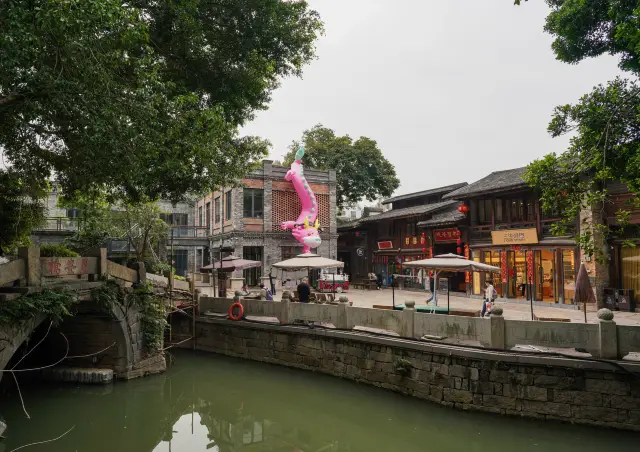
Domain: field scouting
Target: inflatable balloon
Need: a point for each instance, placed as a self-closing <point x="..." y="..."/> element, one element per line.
<point x="305" y="228"/>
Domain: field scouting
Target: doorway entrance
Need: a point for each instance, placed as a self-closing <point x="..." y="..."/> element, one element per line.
<point x="252" y="275"/>
<point x="517" y="274"/>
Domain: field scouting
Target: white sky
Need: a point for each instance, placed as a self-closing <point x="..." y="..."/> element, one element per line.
<point x="450" y="89"/>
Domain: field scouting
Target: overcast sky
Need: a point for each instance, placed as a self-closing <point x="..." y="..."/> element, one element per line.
<point x="451" y="90"/>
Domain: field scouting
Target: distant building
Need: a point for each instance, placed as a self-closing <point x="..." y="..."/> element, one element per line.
<point x="60" y="224"/>
<point x="245" y="221"/>
<point x="380" y="242"/>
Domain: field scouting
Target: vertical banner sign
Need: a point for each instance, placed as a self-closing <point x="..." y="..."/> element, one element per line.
<point x="530" y="267"/>
<point x="503" y="266"/>
<point x="467" y="275"/>
<point x="430" y="252"/>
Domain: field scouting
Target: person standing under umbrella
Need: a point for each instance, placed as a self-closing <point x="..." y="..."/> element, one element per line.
<point x="304" y="290"/>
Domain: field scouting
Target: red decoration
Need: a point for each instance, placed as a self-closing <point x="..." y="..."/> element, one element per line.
<point x="459" y="250"/>
<point x="461" y="208"/>
<point x="459" y="242"/>
<point x="424" y="250"/>
<point x="423" y="234"/>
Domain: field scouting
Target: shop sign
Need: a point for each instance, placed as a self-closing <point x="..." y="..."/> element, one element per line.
<point x="360" y="252"/>
<point x="446" y="235"/>
<point x="514" y="237"/>
<point x="386" y="245"/>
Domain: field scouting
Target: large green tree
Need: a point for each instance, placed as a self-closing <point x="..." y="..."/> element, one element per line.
<point x="604" y="124"/>
<point x="361" y="169"/>
<point x="143" y="97"/>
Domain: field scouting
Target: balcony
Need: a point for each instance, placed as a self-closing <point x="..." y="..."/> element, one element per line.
<point x="188" y="231"/>
<point x="60" y="224"/>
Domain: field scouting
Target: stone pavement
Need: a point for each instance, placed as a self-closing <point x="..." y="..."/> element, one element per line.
<point x="512" y="310"/>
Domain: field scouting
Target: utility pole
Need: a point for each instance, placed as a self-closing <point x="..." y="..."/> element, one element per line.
<point x="222" y="202"/>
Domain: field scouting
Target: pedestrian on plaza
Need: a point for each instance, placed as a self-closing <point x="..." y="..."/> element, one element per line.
<point x="432" y="285"/>
<point x="304" y="290"/>
<point x="490" y="295"/>
<point x="268" y="294"/>
<point x="271" y="283"/>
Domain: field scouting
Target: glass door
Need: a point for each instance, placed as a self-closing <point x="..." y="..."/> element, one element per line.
<point x="477" y="285"/>
<point x="569" y="276"/>
<point x="544" y="275"/>
<point x="517" y="274"/>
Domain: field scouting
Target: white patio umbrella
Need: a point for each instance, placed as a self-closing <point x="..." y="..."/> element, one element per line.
<point x="450" y="263"/>
<point x="308" y="261"/>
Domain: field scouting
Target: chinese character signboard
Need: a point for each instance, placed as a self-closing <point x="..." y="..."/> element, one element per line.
<point x="514" y="237"/>
<point x="386" y="245"/>
<point x="61" y="266"/>
<point x="446" y="235"/>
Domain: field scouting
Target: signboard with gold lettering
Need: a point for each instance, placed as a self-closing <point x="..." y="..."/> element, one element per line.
<point x="514" y="237"/>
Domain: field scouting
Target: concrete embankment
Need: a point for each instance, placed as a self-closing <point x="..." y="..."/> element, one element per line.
<point x="592" y="392"/>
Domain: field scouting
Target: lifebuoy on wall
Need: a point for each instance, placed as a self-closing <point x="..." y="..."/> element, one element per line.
<point x="236" y="311"/>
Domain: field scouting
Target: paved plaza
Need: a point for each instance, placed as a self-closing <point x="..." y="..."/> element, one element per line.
<point x="512" y="309"/>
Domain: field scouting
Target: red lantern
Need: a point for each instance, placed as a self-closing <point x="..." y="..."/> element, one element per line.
<point x="458" y="250"/>
<point x="459" y="242"/>
<point x="424" y="250"/>
<point x="461" y="208"/>
<point x="424" y="235"/>
<point x="465" y="208"/>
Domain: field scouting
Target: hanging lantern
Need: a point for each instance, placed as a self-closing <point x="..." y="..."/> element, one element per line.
<point x="424" y="250"/>
<point x="423" y="234"/>
<point x="459" y="242"/>
<point x="465" y="208"/>
<point x="461" y="208"/>
<point x="459" y="250"/>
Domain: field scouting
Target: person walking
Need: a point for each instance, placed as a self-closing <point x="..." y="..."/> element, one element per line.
<point x="304" y="290"/>
<point x="432" y="285"/>
<point x="490" y="294"/>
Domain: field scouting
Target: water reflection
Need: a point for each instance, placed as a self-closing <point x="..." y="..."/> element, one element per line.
<point x="206" y="402"/>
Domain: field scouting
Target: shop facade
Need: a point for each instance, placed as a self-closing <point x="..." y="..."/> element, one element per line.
<point x="504" y="227"/>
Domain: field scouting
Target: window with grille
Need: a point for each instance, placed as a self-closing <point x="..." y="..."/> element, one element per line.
<point x="208" y="209"/>
<point x="200" y="216"/>
<point x="228" y="206"/>
<point x="218" y="214"/>
<point x="253" y="203"/>
<point x="289" y="252"/>
<point x="175" y="219"/>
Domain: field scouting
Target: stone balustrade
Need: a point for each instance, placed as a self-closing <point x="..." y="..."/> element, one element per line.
<point x="604" y="339"/>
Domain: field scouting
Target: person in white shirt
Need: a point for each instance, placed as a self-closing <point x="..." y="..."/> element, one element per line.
<point x="490" y="294"/>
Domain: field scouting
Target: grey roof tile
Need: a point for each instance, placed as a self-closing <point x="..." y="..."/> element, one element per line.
<point x="432" y="191"/>
<point x="408" y="211"/>
<point x="494" y="182"/>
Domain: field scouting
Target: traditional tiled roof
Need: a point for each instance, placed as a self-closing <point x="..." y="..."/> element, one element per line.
<point x="354" y="224"/>
<point x="442" y="219"/>
<point x="418" y="194"/>
<point x="495" y="182"/>
<point x="408" y="211"/>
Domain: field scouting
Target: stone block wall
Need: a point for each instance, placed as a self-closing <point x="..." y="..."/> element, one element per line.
<point x="558" y="389"/>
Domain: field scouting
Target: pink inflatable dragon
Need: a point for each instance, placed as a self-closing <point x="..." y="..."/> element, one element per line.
<point x="306" y="228"/>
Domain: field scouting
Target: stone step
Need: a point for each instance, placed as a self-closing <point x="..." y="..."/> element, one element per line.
<point x="79" y="375"/>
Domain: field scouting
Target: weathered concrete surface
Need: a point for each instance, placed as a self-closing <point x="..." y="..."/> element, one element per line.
<point x="569" y="390"/>
<point x="78" y="375"/>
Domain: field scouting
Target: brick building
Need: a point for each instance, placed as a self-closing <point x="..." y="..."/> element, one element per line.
<point x="245" y="220"/>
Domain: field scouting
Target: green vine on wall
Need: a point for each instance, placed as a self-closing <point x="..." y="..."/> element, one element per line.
<point x="55" y="304"/>
<point x="113" y="298"/>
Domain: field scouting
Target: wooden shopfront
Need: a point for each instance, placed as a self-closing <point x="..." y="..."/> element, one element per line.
<point x="529" y="268"/>
<point x="389" y="259"/>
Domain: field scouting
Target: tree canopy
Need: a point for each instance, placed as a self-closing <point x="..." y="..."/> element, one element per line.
<point x="143" y="97"/>
<point x="605" y="123"/>
<point x="361" y="169"/>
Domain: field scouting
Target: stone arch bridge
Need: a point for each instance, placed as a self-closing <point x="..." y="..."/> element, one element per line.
<point x="116" y="335"/>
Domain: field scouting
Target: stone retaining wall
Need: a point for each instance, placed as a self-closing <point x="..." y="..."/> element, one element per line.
<point x="569" y="390"/>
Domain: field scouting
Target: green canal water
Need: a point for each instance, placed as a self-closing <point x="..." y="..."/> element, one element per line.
<point x="207" y="402"/>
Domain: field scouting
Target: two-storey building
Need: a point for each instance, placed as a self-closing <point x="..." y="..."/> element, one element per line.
<point x="503" y="225"/>
<point x="383" y="242"/>
<point x="245" y="220"/>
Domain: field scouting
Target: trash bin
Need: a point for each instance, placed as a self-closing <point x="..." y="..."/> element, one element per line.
<point x="610" y="296"/>
<point x="626" y="300"/>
